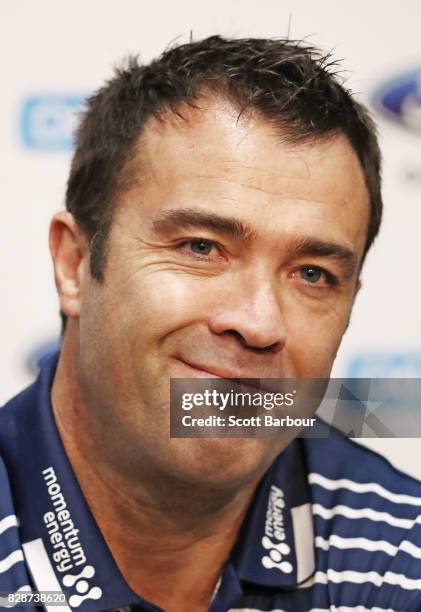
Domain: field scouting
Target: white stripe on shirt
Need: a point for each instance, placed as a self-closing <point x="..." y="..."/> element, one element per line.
<point x="368" y="545"/>
<point x="375" y="578"/>
<point x="7" y="522"/>
<point x="362" y="487"/>
<point x="362" y="513"/>
<point x="7" y="562"/>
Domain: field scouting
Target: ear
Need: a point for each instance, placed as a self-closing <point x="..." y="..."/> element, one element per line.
<point x="70" y="253"/>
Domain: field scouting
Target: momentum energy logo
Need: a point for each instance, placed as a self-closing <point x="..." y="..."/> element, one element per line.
<point x="68" y="553"/>
<point x="48" y="121"/>
<point x="400" y="99"/>
<point x="273" y="540"/>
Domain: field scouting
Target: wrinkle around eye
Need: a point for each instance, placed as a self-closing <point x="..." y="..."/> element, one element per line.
<point x="157" y="261"/>
<point x="177" y="268"/>
<point x="179" y="253"/>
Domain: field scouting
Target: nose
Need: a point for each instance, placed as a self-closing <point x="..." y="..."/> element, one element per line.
<point x="253" y="316"/>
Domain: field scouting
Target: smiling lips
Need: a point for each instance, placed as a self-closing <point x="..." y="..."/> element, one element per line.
<point x="210" y="372"/>
<point x="207" y="372"/>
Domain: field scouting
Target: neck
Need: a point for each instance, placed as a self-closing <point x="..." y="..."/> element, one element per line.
<point x="155" y="526"/>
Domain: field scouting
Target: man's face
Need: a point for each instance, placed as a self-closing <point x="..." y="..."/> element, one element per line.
<point x="232" y="254"/>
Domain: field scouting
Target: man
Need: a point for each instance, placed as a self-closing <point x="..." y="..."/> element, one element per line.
<point x="220" y="205"/>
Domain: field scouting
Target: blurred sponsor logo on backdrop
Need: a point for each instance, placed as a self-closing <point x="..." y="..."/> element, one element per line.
<point x="399" y="99"/>
<point x="48" y="121"/>
<point x="39" y="354"/>
<point x="385" y="365"/>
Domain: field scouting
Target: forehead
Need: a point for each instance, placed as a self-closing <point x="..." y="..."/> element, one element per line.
<point x="243" y="165"/>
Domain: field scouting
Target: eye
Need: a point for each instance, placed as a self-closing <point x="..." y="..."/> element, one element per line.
<point x="314" y="275"/>
<point x="201" y="246"/>
<point x="311" y="274"/>
<point x="201" y="249"/>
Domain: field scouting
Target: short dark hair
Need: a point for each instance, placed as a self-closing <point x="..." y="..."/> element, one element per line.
<point x="291" y="84"/>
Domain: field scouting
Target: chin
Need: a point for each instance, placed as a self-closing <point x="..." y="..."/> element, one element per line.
<point x="225" y="462"/>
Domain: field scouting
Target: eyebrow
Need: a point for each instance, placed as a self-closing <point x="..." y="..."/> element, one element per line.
<point x="184" y="218"/>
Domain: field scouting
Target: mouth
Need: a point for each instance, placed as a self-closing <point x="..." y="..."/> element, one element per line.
<point x="269" y="383"/>
<point x="211" y="372"/>
<point x="202" y="371"/>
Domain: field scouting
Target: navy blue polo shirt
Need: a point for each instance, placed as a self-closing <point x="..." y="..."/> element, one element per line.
<point x="332" y="526"/>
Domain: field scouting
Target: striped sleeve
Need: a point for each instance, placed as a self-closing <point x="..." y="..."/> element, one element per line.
<point x="13" y="574"/>
<point x="368" y="541"/>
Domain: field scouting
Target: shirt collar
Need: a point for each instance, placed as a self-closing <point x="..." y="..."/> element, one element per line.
<point x="276" y="544"/>
<point x="275" y="547"/>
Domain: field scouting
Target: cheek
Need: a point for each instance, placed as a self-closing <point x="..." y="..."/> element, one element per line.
<point x="122" y="325"/>
<point x="313" y="337"/>
<point x="153" y="306"/>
